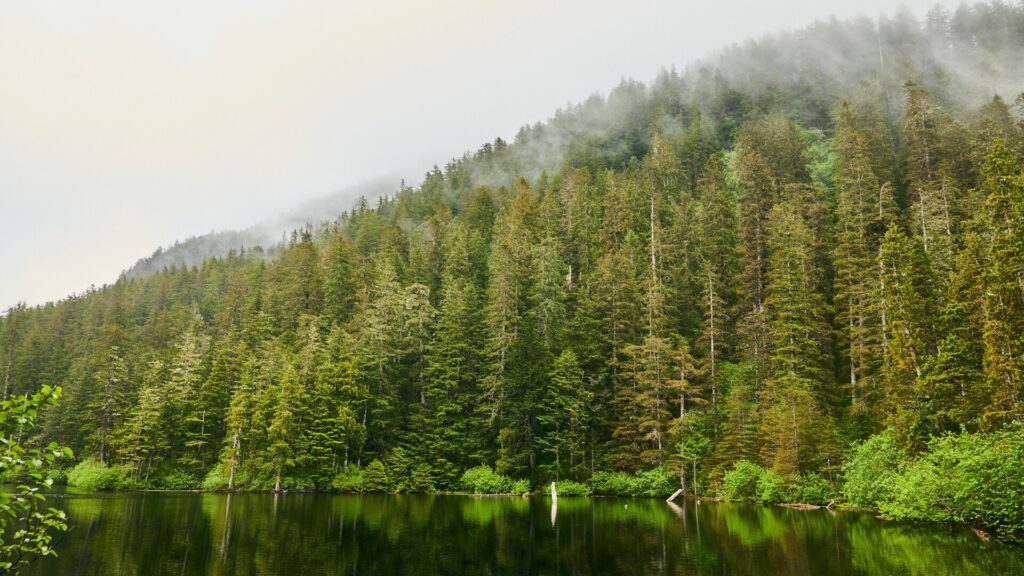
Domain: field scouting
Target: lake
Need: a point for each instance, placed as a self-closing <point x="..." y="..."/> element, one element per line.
<point x="149" y="533"/>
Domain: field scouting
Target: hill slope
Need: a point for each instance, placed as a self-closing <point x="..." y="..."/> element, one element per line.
<point x="803" y="242"/>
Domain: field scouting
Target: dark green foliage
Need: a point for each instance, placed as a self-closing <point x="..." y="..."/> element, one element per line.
<point x="375" y="478"/>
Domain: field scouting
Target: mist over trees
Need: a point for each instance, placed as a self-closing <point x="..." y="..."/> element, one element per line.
<point x="803" y="242"/>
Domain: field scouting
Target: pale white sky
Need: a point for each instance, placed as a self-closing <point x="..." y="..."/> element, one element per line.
<point x="125" y="125"/>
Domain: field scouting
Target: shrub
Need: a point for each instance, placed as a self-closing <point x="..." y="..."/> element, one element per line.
<point x="484" y="480"/>
<point x="375" y="477"/>
<point x="748" y="482"/>
<point x="871" y="472"/>
<point x="177" y="479"/>
<point x="422" y="479"/>
<point x="610" y="483"/>
<point x="520" y="487"/>
<point x="350" y="480"/>
<point x="95" y="475"/>
<point x="811" y="488"/>
<point x="299" y="483"/>
<point x="59" y="474"/>
<point x="655" y="482"/>
<point x="973" y="478"/>
<point x="570" y="488"/>
<point x="215" y="479"/>
<point x="741" y="483"/>
<point x="771" y="487"/>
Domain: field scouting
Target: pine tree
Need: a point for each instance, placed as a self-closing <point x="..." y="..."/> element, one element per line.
<point x="282" y="434"/>
<point x="859" y="222"/>
<point x="505" y="316"/>
<point x="454" y="367"/>
<point x="110" y="402"/>
<point x="719" y="265"/>
<point x="932" y="190"/>
<point x="907" y="304"/>
<point x="1003" y="285"/>
<point x="564" y="416"/>
<point x="798" y="376"/>
<point x="770" y="158"/>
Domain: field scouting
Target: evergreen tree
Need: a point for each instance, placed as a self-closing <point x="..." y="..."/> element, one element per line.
<point x="563" y="416"/>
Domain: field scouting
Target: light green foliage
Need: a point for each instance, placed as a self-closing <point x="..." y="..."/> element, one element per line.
<point x="748" y="482"/>
<point x="973" y="478"/>
<point x="654" y="482"/>
<point x="742" y="482"/>
<point x="178" y="479"/>
<point x="571" y="488"/>
<point x="95" y="475"/>
<point x="27" y="527"/>
<point x="872" y="470"/>
<point x="771" y="487"/>
<point x="811" y="488"/>
<point x="216" y="479"/>
<point x="483" y="480"/>
<point x="349" y="480"/>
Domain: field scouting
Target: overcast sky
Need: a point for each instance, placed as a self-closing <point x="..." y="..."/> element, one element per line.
<point x="127" y="125"/>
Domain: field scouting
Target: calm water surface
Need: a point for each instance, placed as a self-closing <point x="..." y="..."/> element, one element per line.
<point x="312" y="534"/>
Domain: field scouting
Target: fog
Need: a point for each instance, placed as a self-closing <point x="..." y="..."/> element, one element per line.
<point x="125" y="126"/>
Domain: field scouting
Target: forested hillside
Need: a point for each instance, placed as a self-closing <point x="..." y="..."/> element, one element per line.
<point x="772" y="256"/>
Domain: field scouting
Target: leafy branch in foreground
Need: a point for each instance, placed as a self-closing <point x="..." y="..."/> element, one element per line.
<point x="27" y="528"/>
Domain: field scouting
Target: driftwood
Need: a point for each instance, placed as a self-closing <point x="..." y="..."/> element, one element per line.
<point x="674" y="495"/>
<point x="799" y="506"/>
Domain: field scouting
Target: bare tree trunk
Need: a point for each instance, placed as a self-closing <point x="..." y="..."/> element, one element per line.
<point x="235" y="445"/>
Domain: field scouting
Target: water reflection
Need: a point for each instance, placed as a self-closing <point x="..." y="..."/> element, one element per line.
<point x="250" y="534"/>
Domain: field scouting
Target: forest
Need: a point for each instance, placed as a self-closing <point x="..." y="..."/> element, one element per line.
<point x="737" y="275"/>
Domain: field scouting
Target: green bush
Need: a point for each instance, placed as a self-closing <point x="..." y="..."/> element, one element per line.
<point x="177" y="479"/>
<point x="484" y="480"/>
<point x="872" y="470"/>
<point x="94" y="475"/>
<point x="742" y="482"/>
<point x="297" y="483"/>
<point x="519" y="487"/>
<point x="972" y="478"/>
<point x="748" y="482"/>
<point x="811" y="488"/>
<point x="215" y="479"/>
<point x="59" y="475"/>
<point x="375" y="477"/>
<point x="771" y="487"/>
<point x="350" y="480"/>
<point x="422" y="479"/>
<point x="609" y="483"/>
<point x="655" y="482"/>
<point x="570" y="488"/>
